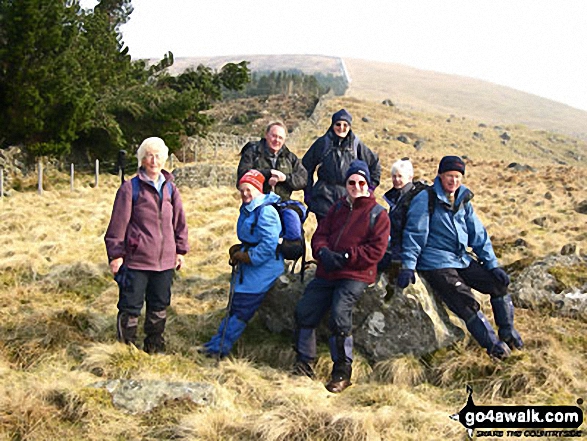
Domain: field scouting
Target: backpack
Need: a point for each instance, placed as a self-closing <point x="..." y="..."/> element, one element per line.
<point x="292" y="241"/>
<point x="405" y="202"/>
<point x="136" y="188"/>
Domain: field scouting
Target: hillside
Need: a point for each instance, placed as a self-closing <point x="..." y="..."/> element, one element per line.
<point x="451" y="94"/>
<point x="422" y="90"/>
<point x="58" y="303"/>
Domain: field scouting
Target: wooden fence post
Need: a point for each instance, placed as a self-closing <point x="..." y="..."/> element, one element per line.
<point x="71" y="177"/>
<point x="97" y="173"/>
<point x="40" y="175"/>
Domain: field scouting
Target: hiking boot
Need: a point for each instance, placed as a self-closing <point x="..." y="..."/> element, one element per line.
<point x="500" y="350"/>
<point x="337" y="384"/>
<point x="154" y="344"/>
<point x="302" y="369"/>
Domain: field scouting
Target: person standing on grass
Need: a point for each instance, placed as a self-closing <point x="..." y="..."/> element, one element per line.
<point x="257" y="264"/>
<point x="282" y="170"/>
<point x="435" y="244"/>
<point x="331" y="155"/>
<point x="146" y="241"/>
<point x="347" y="244"/>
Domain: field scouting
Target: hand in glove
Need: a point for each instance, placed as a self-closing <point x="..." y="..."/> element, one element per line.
<point x="240" y="257"/>
<point x="501" y="276"/>
<point x="332" y="260"/>
<point x="234" y="248"/>
<point x="405" y="277"/>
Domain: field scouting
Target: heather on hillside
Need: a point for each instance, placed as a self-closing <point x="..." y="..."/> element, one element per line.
<point x="58" y="305"/>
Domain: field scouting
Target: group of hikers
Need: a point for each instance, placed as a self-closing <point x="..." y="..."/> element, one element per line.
<point x="428" y="229"/>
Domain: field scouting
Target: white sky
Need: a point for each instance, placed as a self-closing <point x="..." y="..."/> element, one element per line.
<point x="537" y="46"/>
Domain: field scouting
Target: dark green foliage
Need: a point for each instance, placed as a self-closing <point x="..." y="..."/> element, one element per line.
<point x="68" y="84"/>
<point x="289" y="83"/>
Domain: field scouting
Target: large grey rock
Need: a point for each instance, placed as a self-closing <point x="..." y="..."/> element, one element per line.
<point x="141" y="396"/>
<point x="387" y="322"/>
<point x="536" y="286"/>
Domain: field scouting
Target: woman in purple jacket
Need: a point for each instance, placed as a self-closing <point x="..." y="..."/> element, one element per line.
<point x="146" y="241"/>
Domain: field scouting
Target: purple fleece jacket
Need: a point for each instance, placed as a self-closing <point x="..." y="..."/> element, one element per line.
<point x="149" y="235"/>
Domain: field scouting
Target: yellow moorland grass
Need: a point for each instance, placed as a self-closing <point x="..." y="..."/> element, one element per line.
<point x="58" y="309"/>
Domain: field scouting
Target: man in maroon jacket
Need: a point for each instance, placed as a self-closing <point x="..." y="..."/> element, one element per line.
<point x="348" y="244"/>
<point x="146" y="241"/>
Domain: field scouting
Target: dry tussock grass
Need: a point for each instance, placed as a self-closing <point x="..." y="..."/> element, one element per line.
<point x="58" y="309"/>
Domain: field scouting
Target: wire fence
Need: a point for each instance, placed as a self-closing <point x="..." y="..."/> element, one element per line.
<point x="213" y="151"/>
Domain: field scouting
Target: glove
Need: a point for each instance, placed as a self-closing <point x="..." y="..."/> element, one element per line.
<point x="240" y="257"/>
<point x="405" y="277"/>
<point x="501" y="276"/>
<point x="331" y="260"/>
<point x="234" y="248"/>
<point x="124" y="278"/>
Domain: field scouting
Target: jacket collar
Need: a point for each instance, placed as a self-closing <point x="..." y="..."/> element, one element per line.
<point x="463" y="193"/>
<point x="261" y="200"/>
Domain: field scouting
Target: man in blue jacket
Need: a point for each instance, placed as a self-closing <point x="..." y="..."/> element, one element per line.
<point x="435" y="243"/>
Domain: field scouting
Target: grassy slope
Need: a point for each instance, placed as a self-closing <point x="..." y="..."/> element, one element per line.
<point x="452" y="94"/>
<point x="58" y="309"/>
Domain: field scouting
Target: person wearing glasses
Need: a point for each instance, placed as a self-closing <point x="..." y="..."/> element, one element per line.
<point x="281" y="168"/>
<point x="332" y="155"/>
<point x="348" y="244"/>
<point x="435" y="244"/>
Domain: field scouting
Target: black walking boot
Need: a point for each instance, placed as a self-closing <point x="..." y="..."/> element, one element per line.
<point x="154" y="328"/>
<point x="126" y="328"/>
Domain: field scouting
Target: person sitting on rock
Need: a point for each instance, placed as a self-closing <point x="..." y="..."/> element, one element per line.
<point x="347" y="244"/>
<point x="257" y="265"/>
<point x="435" y="244"/>
<point x="281" y="168"/>
<point x="398" y="199"/>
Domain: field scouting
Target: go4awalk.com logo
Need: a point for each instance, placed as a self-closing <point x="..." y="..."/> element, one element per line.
<point x="520" y="421"/>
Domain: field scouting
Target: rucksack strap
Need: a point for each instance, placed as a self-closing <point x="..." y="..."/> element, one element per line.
<point x="375" y="211"/>
<point x="136" y="189"/>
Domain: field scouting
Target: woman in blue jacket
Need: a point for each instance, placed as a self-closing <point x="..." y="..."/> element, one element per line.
<point x="435" y="243"/>
<point x="256" y="263"/>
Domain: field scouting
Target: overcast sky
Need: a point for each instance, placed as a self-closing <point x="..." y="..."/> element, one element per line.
<point x="537" y="46"/>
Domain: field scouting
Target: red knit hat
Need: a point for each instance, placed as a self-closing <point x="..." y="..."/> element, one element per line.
<point x="255" y="178"/>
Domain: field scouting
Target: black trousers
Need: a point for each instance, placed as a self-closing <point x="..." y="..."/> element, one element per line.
<point x="152" y="287"/>
<point x="337" y="295"/>
<point x="453" y="287"/>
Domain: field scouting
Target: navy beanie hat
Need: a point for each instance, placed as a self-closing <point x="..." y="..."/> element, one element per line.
<point x="342" y="115"/>
<point x="451" y="163"/>
<point x="359" y="167"/>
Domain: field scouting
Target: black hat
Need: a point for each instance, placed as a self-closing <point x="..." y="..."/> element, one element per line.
<point x="359" y="167"/>
<point x="451" y="163"/>
<point x="342" y="115"/>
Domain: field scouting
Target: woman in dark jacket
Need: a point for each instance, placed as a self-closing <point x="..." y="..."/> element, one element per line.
<point x="398" y="199"/>
<point x="146" y="241"/>
<point x="348" y="243"/>
<point x="332" y="154"/>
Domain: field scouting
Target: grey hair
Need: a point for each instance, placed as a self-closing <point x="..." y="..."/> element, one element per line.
<point x="403" y="166"/>
<point x="276" y="123"/>
<point x="153" y="145"/>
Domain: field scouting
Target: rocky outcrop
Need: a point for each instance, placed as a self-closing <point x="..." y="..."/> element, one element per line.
<point x="387" y="322"/>
<point x="141" y="396"/>
<point x="555" y="283"/>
